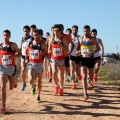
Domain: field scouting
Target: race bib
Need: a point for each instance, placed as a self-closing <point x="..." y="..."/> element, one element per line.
<point x="34" y="54"/>
<point x="6" y="60"/>
<point x="57" y="52"/>
<point x="84" y="52"/>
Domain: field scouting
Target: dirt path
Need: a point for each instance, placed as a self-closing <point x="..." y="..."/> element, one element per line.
<point x="104" y="104"/>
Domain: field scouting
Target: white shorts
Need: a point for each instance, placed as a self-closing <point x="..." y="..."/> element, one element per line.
<point x="37" y="67"/>
<point x="58" y="62"/>
<point x="8" y="70"/>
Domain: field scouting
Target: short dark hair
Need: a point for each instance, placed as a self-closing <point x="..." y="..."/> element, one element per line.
<point x="41" y="31"/>
<point x="33" y="26"/>
<point x="86" y="27"/>
<point x="75" y="26"/>
<point x="48" y="33"/>
<point x="61" y="25"/>
<point x="26" y="27"/>
<point x="68" y="29"/>
<point x="7" y="31"/>
<point x="58" y="26"/>
<point x="94" y="30"/>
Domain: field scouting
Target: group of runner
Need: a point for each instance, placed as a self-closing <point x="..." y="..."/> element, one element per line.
<point x="64" y="57"/>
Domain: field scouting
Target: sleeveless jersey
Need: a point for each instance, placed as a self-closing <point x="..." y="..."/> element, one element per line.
<point x="25" y="43"/>
<point x="75" y="41"/>
<point x="34" y="53"/>
<point x="4" y="53"/>
<point x="57" y="51"/>
<point x="98" y="53"/>
<point x="86" y="47"/>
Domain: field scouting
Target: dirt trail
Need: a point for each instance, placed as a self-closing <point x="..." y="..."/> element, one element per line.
<point x="104" y="104"/>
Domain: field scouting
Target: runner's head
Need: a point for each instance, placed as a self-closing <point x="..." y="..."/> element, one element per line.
<point x="6" y="35"/>
<point x="52" y="31"/>
<point x="74" y="29"/>
<point x="86" y="30"/>
<point x="32" y="28"/>
<point x="94" y="33"/>
<point x="57" y="30"/>
<point x="26" y="30"/>
<point x="47" y="34"/>
<point x="41" y="32"/>
<point x="62" y="27"/>
<point x="69" y="31"/>
<point x="36" y="34"/>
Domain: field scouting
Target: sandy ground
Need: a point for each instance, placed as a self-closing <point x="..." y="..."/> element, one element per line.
<point x="104" y="103"/>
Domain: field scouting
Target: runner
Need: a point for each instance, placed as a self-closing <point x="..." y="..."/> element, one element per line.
<point x="8" y="52"/>
<point x="49" y="39"/>
<point x="87" y="61"/>
<point x="32" y="28"/>
<point x="75" y="59"/>
<point x="69" y="32"/>
<point x="24" y="42"/>
<point x="97" y="55"/>
<point x="57" y="47"/>
<point x="35" y="51"/>
<point x="67" y="60"/>
<point x="47" y="35"/>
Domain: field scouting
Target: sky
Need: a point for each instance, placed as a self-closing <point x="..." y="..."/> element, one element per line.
<point x="104" y="15"/>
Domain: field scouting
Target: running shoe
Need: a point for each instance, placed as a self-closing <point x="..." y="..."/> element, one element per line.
<point x="45" y="75"/>
<point x="38" y="100"/>
<point x="79" y="77"/>
<point x="91" y="83"/>
<point x="74" y="86"/>
<point x="95" y="77"/>
<point x="69" y="78"/>
<point x="88" y="80"/>
<point x="76" y="80"/>
<point x="3" y="110"/>
<point x="23" y="87"/>
<point x="86" y="96"/>
<point x="50" y="80"/>
<point x="33" y="90"/>
<point x="56" y="90"/>
<point x="61" y="92"/>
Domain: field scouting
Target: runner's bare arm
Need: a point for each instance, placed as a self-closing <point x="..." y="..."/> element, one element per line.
<point x="64" y="45"/>
<point x="102" y="47"/>
<point x="96" y="44"/>
<point x="20" y="44"/>
<point x="49" y="46"/>
<point x="45" y="49"/>
<point x="17" y="50"/>
<point x="72" y="47"/>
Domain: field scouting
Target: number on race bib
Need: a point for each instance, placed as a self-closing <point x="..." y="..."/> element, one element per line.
<point x="6" y="60"/>
<point x="34" y="54"/>
<point x="57" y="52"/>
<point x="84" y="52"/>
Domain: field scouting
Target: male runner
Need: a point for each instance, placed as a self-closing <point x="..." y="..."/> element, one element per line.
<point x="57" y="47"/>
<point x="97" y="56"/>
<point x="34" y="54"/>
<point x="8" y="52"/>
<point x="24" y="42"/>
<point x="87" y="43"/>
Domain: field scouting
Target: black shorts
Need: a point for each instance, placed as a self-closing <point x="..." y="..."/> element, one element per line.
<point x="67" y="62"/>
<point x="97" y="58"/>
<point x="75" y="58"/>
<point x="23" y="57"/>
<point x="88" y="62"/>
